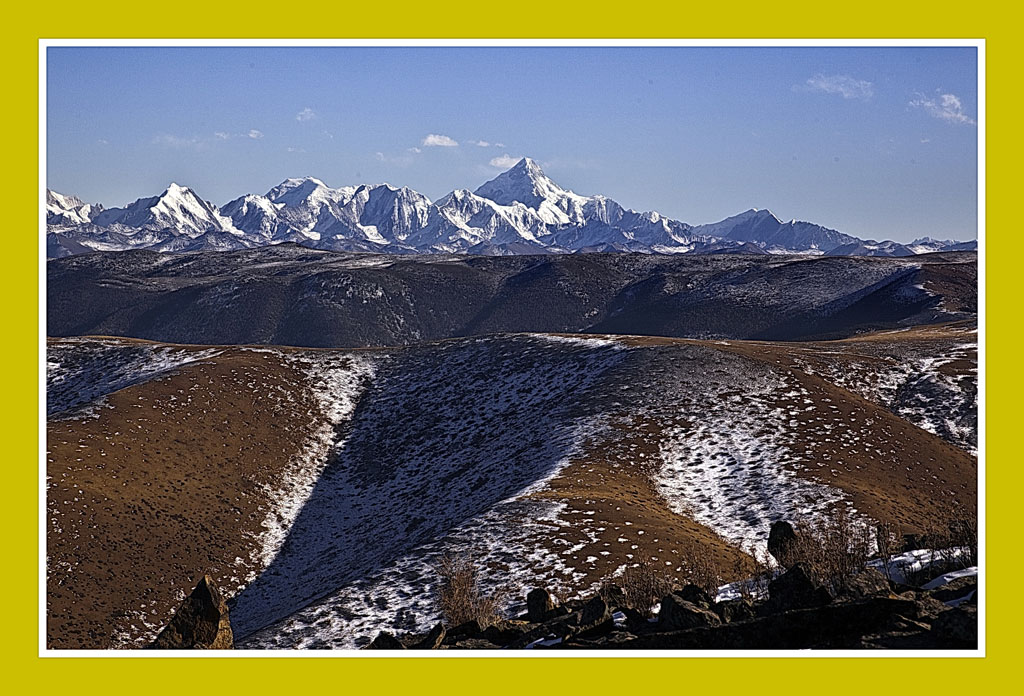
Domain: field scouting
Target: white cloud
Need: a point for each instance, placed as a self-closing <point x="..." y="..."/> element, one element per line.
<point x="306" y="114"/>
<point x="504" y="161"/>
<point x="500" y="145"/>
<point x="176" y="142"/>
<point x="848" y="87"/>
<point x="295" y="149"/>
<point x="480" y="143"/>
<point x="415" y="150"/>
<point x="255" y="134"/>
<point x="103" y="141"/>
<point x="221" y="135"/>
<point x="947" y="107"/>
<point x="435" y="140"/>
<point x="380" y="156"/>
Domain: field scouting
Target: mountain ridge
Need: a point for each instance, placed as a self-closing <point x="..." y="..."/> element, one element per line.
<point x="519" y="211"/>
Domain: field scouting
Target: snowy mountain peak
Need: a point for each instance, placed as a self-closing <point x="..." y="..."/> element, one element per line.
<point x="295" y="189"/>
<point x="758" y="214"/>
<point x="526" y="183"/>
<point x="529" y="165"/>
<point x="61" y="201"/>
<point x="69" y="210"/>
<point x="181" y="199"/>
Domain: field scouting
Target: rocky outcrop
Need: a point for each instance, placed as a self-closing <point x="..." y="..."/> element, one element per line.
<point x="200" y="623"/>
<point x="431" y="641"/>
<point x="963" y="589"/>
<point x="867" y="583"/>
<point x="735" y="610"/>
<point x="798" y="614"/>
<point x="696" y="596"/>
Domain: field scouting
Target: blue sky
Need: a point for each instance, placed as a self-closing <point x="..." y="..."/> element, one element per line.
<point x="875" y="142"/>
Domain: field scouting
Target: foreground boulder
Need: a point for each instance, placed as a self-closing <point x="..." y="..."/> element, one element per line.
<point x="676" y="614"/>
<point x="957" y="627"/>
<point x="200" y="623"/>
<point x="796" y="589"/>
<point x="431" y="641"/>
<point x="782" y="540"/>
<point x="539" y="605"/>
<point x="385" y="641"/>
<point x="866" y="583"/>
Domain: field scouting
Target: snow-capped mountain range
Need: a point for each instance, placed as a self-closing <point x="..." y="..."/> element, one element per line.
<point x="521" y="211"/>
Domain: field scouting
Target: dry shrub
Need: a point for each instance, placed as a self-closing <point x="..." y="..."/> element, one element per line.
<point x="955" y="536"/>
<point x="644" y="584"/>
<point x="459" y="597"/>
<point x="753" y="575"/>
<point x="953" y="541"/>
<point x="833" y="547"/>
<point x="889" y="541"/>
<point x="701" y="569"/>
<point x="963" y="535"/>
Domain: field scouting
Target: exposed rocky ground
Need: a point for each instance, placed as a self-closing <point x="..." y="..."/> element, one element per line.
<point x="796" y="614"/>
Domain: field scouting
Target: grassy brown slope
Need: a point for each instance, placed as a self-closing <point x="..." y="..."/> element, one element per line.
<point x="892" y="470"/>
<point x="609" y="491"/>
<point x="169" y="480"/>
<point x="165" y="485"/>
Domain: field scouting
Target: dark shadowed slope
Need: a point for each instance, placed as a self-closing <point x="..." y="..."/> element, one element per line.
<point x="287" y="295"/>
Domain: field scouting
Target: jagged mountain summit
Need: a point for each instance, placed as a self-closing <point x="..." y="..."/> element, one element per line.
<point x="521" y="211"/>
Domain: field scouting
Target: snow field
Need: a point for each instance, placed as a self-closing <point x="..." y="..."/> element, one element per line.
<point x="733" y="468"/>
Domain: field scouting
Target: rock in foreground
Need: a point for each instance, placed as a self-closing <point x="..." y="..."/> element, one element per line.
<point x="200" y="623"/>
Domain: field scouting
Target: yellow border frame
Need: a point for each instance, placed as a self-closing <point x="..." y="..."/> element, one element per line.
<point x="527" y="18"/>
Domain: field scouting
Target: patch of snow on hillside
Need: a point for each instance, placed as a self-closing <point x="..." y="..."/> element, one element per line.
<point x="587" y="341"/>
<point x="924" y="389"/>
<point x="80" y="372"/>
<point x="400" y="596"/>
<point x="732" y="469"/>
<point x="902" y="567"/>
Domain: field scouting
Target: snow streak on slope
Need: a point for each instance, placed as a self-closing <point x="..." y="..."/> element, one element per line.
<point x="733" y="469"/>
<point x="337" y="383"/>
<point x="79" y="372"/>
<point x="441" y="435"/>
